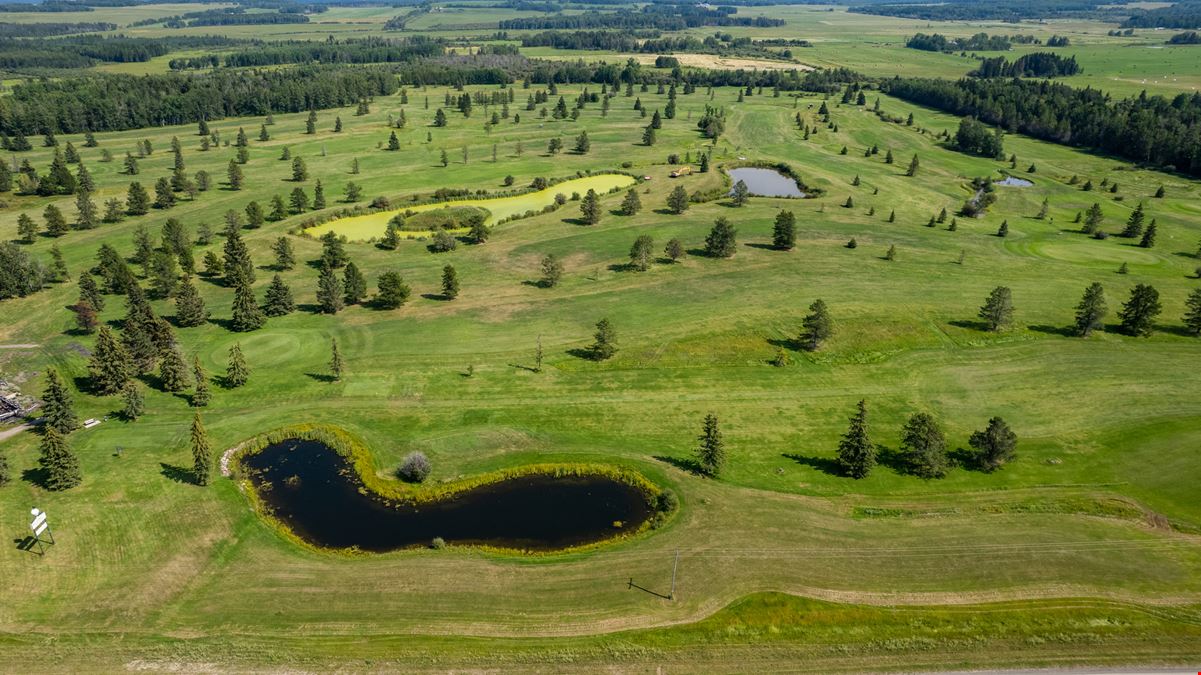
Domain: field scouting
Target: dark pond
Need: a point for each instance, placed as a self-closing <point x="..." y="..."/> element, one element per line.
<point x="315" y="492"/>
<point x="766" y="182"/>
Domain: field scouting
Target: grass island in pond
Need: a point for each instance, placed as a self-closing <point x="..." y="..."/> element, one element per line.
<point x="373" y="225"/>
<point x="315" y="492"/>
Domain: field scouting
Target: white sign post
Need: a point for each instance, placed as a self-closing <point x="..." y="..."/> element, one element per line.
<point x="39" y="526"/>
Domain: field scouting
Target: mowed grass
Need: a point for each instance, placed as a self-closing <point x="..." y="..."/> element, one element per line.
<point x="373" y="225"/>
<point x="151" y="568"/>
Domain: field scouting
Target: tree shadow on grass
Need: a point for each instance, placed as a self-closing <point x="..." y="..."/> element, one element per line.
<point x="892" y="458"/>
<point x="683" y="463"/>
<point x="764" y="247"/>
<point x="585" y="353"/>
<point x="791" y="344"/>
<point x="1064" y="331"/>
<point x="322" y="377"/>
<point x="536" y="283"/>
<point x="826" y="465"/>
<point x="970" y="325"/>
<point x="624" y="267"/>
<point x="439" y="297"/>
<point x="177" y="473"/>
<point x="1181" y="331"/>
<point x="36" y="476"/>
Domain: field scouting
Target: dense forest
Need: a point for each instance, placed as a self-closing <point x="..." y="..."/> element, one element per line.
<point x="1035" y="64"/>
<point x="112" y="102"/>
<point x="1187" y="38"/>
<point x="666" y="17"/>
<point x="993" y="10"/>
<point x="1147" y="129"/>
<point x="372" y="50"/>
<point x="37" y="55"/>
<point x="980" y="42"/>
<point x="48" y="29"/>
<point x="1180" y="15"/>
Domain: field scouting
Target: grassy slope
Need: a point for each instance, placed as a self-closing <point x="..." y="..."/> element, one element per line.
<point x="1104" y="422"/>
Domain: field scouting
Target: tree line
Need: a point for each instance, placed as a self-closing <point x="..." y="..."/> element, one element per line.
<point x="371" y="50"/>
<point x="1035" y="64"/>
<point x="1146" y="129"/>
<point x="667" y="17"/>
<point x="980" y="42"/>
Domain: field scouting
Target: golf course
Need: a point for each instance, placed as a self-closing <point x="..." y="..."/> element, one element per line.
<point x="1079" y="549"/>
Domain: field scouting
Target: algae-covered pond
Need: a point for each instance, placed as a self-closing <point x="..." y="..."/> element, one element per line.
<point x="362" y="228"/>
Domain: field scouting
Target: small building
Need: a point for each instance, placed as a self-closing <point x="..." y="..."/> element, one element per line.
<point x="9" y="407"/>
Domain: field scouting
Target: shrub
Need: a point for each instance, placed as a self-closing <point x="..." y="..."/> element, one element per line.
<point x="415" y="468"/>
<point x="438" y="543"/>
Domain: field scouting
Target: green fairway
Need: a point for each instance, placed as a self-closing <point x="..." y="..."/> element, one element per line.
<point x="1085" y="550"/>
<point x="371" y="226"/>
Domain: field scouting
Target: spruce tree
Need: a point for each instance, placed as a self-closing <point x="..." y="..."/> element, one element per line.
<point x="131" y="401"/>
<point x="391" y="240"/>
<point x="329" y="291"/>
<point x="856" y="453"/>
<point x="89" y="292"/>
<point x="27" y="229"/>
<point x="924" y="446"/>
<point x="1148" y="239"/>
<point x="817" y="326"/>
<point x="278" y="300"/>
<point x="1192" y="312"/>
<point x="56" y="224"/>
<point x="995" y="445"/>
<point x="711" y="451"/>
<point x="1139" y="312"/>
<point x="57" y="461"/>
<point x="552" y="271"/>
<point x="590" y="208"/>
<point x="604" y="344"/>
<point x="677" y="201"/>
<point x="202" y="394"/>
<point x="336" y="365"/>
<point x="333" y="251"/>
<point x="173" y="372"/>
<point x="450" y="282"/>
<point x="236" y="370"/>
<point x="189" y="306"/>
<point x="1134" y="224"/>
<point x="1093" y="218"/>
<point x="720" y="243"/>
<point x="783" y="235"/>
<point x="914" y="164"/>
<point x="247" y="315"/>
<point x="997" y="311"/>
<point x="202" y="452"/>
<point x="110" y="368"/>
<point x="57" y="408"/>
<point x="354" y="284"/>
<point x="393" y="292"/>
<point x="631" y="204"/>
<point x="1090" y="313"/>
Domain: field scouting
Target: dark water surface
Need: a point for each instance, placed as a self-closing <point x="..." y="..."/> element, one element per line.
<point x="315" y="492"/>
<point x="766" y="182"/>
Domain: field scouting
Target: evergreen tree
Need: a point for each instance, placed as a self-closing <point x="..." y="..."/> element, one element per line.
<point x="5" y="470"/>
<point x="924" y="447"/>
<point x="604" y="344"/>
<point x="720" y="243"/>
<point x="354" y="284"/>
<point x="856" y="453"/>
<point x="784" y="231"/>
<point x="648" y="136"/>
<point x="57" y="408"/>
<point x="89" y="292"/>
<point x="278" y="300"/>
<point x="58" y="462"/>
<point x="58" y="265"/>
<point x="333" y="251"/>
<point x="711" y="452"/>
<point x="189" y="306"/>
<point x="741" y="193"/>
<point x="1134" y="224"/>
<point x="164" y="275"/>
<point x="173" y="372"/>
<point x="329" y="291"/>
<point x="677" y="201"/>
<point x="674" y="250"/>
<point x="994" y="446"/>
<point x="450" y="282"/>
<point x="318" y="196"/>
<point x="631" y="204"/>
<point x="914" y="164"/>
<point x="552" y="271"/>
<point x="237" y="259"/>
<point x="1148" y="239"/>
<point x="1139" y="312"/>
<point x="110" y="368"/>
<point x="336" y="366"/>
<point x="1090" y="313"/>
<point x="1192" y="312"/>
<point x="255" y="218"/>
<point x="582" y="144"/>
<point x="234" y="175"/>
<point x="86" y="215"/>
<point x="642" y="252"/>
<point x="236" y="371"/>
<point x="202" y="394"/>
<point x="27" y="229"/>
<point x="393" y="142"/>
<point x="299" y="200"/>
<point x="997" y="311"/>
<point x="479" y="232"/>
<point x="391" y="240"/>
<point x="817" y="326"/>
<point x="590" y="208"/>
<point x="56" y="225"/>
<point x="247" y="315"/>
<point x="1092" y="220"/>
<point x="1003" y="231"/>
<point x="202" y="452"/>
<point x="393" y="292"/>
<point x="131" y="401"/>
<point x="310" y="124"/>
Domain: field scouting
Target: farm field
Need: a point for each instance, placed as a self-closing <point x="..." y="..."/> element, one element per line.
<point x="544" y="335"/>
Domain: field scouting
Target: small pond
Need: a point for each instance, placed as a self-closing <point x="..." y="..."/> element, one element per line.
<point x="1014" y="181"/>
<point x="766" y="182"/>
<point x="315" y="492"/>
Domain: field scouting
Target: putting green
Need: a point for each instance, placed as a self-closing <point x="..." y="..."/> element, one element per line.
<point x="361" y="228"/>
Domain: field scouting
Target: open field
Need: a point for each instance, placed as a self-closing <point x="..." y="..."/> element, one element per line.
<point x="1085" y="550"/>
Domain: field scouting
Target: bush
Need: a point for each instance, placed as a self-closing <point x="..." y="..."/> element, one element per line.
<point x="415" y="468"/>
<point x="438" y="543"/>
<point x="380" y="203"/>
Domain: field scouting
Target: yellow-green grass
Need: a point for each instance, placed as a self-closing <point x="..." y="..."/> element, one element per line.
<point x="372" y="226"/>
<point x="1094" y="523"/>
